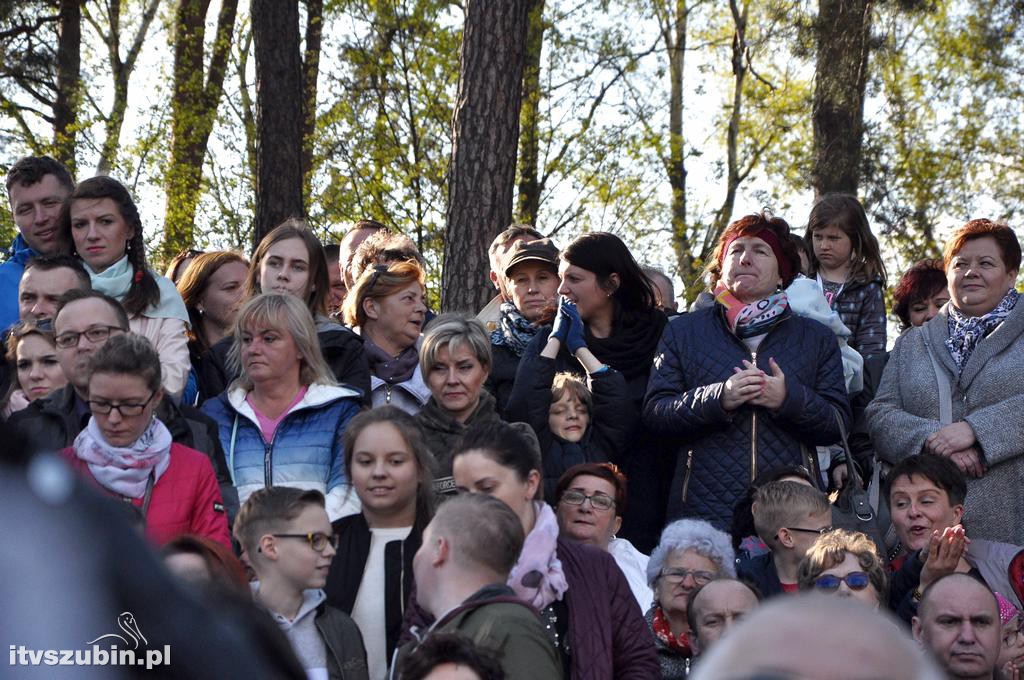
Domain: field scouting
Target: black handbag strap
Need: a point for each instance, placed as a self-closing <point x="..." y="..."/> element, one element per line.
<point x="859" y="501"/>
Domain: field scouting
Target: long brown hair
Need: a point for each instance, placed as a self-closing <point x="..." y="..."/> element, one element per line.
<point x="193" y="285"/>
<point x="411" y="432"/>
<point x="144" y="291"/>
<point x="846" y="212"/>
<point x="319" y="284"/>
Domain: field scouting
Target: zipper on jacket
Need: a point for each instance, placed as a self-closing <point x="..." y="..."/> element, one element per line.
<point x="268" y="464"/>
<point x="387" y="393"/>
<point x="686" y="477"/>
<point x="753" y="431"/>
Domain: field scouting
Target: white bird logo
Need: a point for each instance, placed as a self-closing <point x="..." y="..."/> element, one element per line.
<point x="126" y="621"/>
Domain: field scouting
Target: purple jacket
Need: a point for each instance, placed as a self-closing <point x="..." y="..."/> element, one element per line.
<point x="608" y="636"/>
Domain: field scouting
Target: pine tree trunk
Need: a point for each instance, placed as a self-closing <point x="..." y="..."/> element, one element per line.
<point x="485" y="137"/>
<point x="843" y="31"/>
<point x="275" y="26"/>
<point x="69" y="63"/>
<point x="528" y="199"/>
<point x="310" y="73"/>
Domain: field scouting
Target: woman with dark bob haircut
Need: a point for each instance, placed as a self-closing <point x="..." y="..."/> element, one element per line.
<point x="920" y="294"/>
<point x="747" y="384"/>
<point x="955" y="386"/>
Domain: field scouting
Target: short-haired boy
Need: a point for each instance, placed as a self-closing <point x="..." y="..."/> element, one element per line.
<point x="289" y="542"/>
<point x="788" y="516"/>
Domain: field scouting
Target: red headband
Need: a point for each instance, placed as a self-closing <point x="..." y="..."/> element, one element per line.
<point x="769" y="237"/>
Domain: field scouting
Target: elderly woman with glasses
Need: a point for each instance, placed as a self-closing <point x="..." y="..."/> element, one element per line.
<point x="128" y="453"/>
<point x="590" y="502"/>
<point x="690" y="554"/>
<point x="845" y="563"/>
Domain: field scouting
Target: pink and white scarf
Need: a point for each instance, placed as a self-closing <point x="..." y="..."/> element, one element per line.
<point x="125" y="471"/>
<point x="538" y="577"/>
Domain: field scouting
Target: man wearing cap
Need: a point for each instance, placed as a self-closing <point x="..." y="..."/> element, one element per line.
<point x="530" y="284"/>
<point x="497" y="253"/>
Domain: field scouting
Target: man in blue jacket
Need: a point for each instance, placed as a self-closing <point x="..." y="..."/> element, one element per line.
<point x="36" y="189"/>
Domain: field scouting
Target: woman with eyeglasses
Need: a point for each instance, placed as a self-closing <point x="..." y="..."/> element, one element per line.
<point x="128" y="453"/>
<point x="33" y="353"/>
<point x="584" y="600"/>
<point x="845" y="563"/>
<point x="281" y="422"/>
<point x="590" y="502"/>
<point x="690" y="554"/>
<point x="387" y="306"/>
<point x="102" y="221"/>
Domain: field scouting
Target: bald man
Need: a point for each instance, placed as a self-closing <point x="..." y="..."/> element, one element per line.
<point x="717" y="607"/>
<point x="958" y="622"/>
<point x="824" y="638"/>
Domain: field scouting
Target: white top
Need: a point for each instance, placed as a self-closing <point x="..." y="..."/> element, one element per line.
<point x="368" y="610"/>
<point x="633" y="564"/>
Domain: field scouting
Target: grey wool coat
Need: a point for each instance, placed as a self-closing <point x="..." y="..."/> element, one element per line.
<point x="988" y="394"/>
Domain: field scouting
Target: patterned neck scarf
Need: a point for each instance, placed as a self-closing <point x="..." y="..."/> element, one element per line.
<point x="125" y="470"/>
<point x="513" y="331"/>
<point x="965" y="332"/>
<point x="537" y="576"/>
<point x="680" y="645"/>
<point x="756" y="318"/>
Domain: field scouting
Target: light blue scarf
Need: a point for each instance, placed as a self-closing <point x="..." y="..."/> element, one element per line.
<point x="116" y="279"/>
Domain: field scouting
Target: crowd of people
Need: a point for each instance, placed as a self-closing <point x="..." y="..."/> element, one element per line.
<point x="577" y="481"/>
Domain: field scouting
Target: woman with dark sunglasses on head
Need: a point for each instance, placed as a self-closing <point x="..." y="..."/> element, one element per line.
<point x="129" y="454"/>
<point x="387" y="306"/>
<point x="845" y="563"/>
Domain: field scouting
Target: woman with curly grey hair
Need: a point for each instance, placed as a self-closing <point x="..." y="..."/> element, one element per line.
<point x="690" y="554"/>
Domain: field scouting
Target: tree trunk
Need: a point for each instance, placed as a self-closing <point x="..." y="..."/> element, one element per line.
<point x="310" y="73"/>
<point x="674" y="36"/>
<point x="842" y="31"/>
<point x="528" y="203"/>
<point x="69" y="63"/>
<point x="279" y="121"/>
<point x="485" y="136"/>
<point x="193" y="111"/>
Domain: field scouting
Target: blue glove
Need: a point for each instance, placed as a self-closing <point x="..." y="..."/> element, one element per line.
<point x="574" y="340"/>
<point x="560" y="326"/>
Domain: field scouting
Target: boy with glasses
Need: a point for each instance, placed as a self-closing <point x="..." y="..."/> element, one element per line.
<point x="289" y="542"/>
<point x="789" y="517"/>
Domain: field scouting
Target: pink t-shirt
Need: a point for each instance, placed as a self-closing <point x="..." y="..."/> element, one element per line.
<point x="269" y="425"/>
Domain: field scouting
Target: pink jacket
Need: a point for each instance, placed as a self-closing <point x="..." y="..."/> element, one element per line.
<point x="185" y="500"/>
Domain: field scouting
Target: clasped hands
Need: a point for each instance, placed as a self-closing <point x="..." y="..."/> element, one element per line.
<point x="568" y="326"/>
<point x="751" y="385"/>
<point x="957" y="442"/>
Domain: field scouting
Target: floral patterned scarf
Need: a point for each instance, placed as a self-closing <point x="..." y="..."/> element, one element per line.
<point x="965" y="332"/>
<point x="678" y="644"/>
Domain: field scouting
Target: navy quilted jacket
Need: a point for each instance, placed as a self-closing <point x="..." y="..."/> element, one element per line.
<point x="721" y="452"/>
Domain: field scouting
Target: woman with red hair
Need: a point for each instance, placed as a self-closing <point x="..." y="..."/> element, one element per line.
<point x="747" y="384"/>
<point x="955" y="386"/>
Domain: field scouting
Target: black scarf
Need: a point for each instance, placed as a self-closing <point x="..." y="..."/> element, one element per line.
<point x="631" y="346"/>
<point x="391" y="370"/>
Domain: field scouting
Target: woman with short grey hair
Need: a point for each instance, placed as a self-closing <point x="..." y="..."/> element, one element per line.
<point x="690" y="554"/>
<point x="455" y="358"/>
